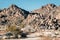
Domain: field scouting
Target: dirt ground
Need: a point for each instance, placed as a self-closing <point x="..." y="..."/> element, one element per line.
<point x="38" y="36"/>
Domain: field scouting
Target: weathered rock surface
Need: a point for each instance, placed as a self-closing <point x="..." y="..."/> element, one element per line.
<point x="12" y="15"/>
<point x="46" y="17"/>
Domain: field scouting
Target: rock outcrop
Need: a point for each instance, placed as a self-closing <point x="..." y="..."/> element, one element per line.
<point x="46" y="17"/>
<point x="12" y="15"/>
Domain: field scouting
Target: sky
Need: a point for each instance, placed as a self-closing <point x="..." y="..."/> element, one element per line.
<point x="28" y="5"/>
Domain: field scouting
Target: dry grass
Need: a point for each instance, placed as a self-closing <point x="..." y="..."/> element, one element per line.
<point x="48" y="38"/>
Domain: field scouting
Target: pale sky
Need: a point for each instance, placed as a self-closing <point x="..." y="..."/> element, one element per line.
<point x="28" y="5"/>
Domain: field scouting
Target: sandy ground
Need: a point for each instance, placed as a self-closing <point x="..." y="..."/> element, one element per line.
<point x="37" y="36"/>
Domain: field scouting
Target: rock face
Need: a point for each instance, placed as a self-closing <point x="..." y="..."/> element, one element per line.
<point x="12" y="15"/>
<point x="46" y="17"/>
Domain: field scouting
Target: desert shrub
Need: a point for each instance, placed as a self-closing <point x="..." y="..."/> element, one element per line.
<point x="22" y="25"/>
<point x="11" y="28"/>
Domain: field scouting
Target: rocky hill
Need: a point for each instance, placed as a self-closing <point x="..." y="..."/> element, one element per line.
<point x="46" y="17"/>
<point x="12" y="15"/>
